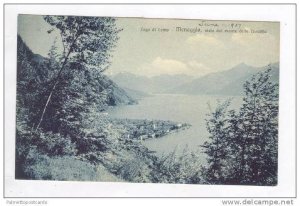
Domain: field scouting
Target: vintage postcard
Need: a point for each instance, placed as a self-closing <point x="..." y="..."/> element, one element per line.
<point x="147" y="100"/>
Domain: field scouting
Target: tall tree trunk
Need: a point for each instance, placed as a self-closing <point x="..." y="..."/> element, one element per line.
<point x="55" y="83"/>
<point x="50" y="94"/>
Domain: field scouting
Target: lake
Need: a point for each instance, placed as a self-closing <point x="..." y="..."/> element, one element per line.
<point x="191" y="109"/>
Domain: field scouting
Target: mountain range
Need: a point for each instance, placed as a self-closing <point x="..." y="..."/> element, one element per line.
<point x="227" y="82"/>
<point x="112" y="94"/>
<point x="126" y="88"/>
<point x="149" y="85"/>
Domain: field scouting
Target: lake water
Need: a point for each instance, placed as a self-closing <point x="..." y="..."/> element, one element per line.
<point x="190" y="109"/>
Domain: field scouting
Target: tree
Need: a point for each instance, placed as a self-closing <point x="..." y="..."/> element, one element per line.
<point x="31" y="80"/>
<point x="246" y="142"/>
<point x="87" y="42"/>
<point x="217" y="146"/>
<point x="259" y="115"/>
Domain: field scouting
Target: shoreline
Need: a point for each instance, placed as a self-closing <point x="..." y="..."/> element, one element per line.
<point x="145" y="130"/>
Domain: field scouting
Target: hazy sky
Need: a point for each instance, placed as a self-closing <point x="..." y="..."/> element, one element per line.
<point x="150" y="53"/>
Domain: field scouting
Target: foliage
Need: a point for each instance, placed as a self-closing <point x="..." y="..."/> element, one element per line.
<point x="80" y="90"/>
<point x="133" y="169"/>
<point x="216" y="149"/>
<point x="184" y="168"/>
<point x="60" y="100"/>
<point x="86" y="40"/>
<point x="62" y="133"/>
<point x="248" y="139"/>
<point x="42" y="167"/>
<point x="55" y="144"/>
<point x="259" y="113"/>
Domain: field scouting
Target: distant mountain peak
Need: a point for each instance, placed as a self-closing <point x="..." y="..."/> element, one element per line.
<point x="242" y="64"/>
<point x="225" y="82"/>
<point x="154" y="84"/>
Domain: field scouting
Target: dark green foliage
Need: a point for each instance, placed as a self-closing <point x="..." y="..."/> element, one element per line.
<point x="32" y="80"/>
<point x="88" y="39"/>
<point x="246" y="141"/>
<point x="74" y="126"/>
<point x="43" y="167"/>
<point x="133" y="168"/>
<point x="59" y="105"/>
<point x="62" y="133"/>
<point x="55" y="144"/>
<point x="259" y="114"/>
<point x="56" y="95"/>
<point x="216" y="149"/>
<point x="87" y="42"/>
<point x="184" y="168"/>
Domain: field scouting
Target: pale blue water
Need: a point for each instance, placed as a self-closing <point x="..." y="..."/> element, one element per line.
<point x="190" y="109"/>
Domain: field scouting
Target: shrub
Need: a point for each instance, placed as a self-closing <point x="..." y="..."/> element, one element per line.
<point x="55" y="144"/>
<point x="178" y="167"/>
<point x="134" y="170"/>
<point x="43" y="167"/>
